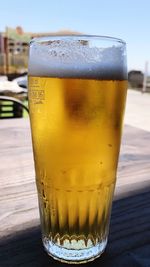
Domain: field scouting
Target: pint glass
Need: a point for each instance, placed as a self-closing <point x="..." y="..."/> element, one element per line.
<point x="77" y="93"/>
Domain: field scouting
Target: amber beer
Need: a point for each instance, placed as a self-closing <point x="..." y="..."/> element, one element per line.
<point x="76" y="126"/>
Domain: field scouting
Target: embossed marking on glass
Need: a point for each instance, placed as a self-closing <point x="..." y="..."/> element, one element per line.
<point x="77" y="93"/>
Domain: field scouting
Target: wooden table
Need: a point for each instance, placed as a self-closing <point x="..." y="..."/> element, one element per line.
<point x="20" y="243"/>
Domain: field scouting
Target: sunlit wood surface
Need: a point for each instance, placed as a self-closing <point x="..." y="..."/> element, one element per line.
<point x="20" y="244"/>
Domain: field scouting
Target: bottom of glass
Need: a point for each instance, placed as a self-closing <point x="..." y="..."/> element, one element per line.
<point x="75" y="256"/>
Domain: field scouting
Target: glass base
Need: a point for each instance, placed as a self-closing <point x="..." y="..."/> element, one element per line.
<point x="75" y="256"/>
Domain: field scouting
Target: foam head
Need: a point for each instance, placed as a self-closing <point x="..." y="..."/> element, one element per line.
<point x="78" y="57"/>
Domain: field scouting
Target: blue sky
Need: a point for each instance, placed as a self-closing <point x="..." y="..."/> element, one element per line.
<point x="126" y="19"/>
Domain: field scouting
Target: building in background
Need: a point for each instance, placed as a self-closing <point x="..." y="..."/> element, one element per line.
<point x="14" y="50"/>
<point x="135" y="79"/>
<point x="14" y="45"/>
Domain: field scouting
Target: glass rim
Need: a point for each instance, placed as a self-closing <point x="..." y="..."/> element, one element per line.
<point x="43" y="39"/>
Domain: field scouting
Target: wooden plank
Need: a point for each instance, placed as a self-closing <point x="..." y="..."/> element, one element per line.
<point x="129" y="239"/>
<point x="20" y="243"/>
<point x="16" y="152"/>
<point x="18" y="201"/>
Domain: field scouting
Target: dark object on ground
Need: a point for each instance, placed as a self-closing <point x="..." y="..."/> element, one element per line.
<point x="11" y="107"/>
<point x="12" y="76"/>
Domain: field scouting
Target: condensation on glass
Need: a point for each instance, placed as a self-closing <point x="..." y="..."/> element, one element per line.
<point x="77" y="93"/>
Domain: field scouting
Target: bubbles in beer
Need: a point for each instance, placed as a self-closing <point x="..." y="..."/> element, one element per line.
<point x="76" y="58"/>
<point x="77" y="92"/>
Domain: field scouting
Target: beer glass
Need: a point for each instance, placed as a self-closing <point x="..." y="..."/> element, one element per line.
<point x="77" y="93"/>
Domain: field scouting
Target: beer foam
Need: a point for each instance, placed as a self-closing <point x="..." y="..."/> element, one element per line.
<point x="77" y="58"/>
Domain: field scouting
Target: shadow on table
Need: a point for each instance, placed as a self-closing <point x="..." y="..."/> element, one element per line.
<point x="128" y="246"/>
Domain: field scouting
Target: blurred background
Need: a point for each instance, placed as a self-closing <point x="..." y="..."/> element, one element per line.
<point x="20" y="21"/>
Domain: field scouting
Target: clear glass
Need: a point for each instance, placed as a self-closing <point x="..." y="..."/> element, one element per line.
<point x="77" y="94"/>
